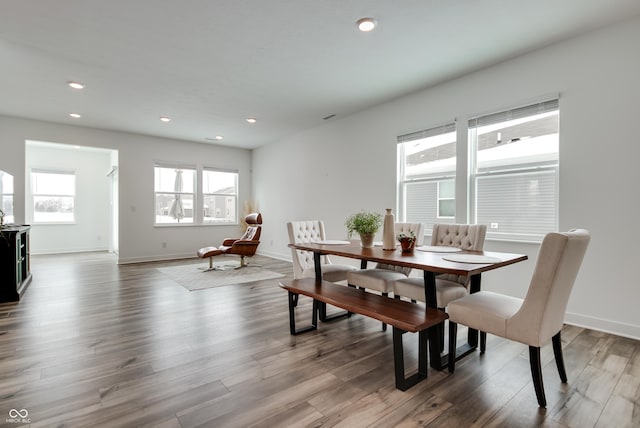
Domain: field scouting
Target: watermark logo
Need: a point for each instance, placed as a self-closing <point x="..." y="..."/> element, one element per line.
<point x="18" y="417"/>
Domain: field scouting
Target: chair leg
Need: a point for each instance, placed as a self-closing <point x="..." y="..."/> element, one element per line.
<point x="453" y="332"/>
<point x="483" y="341"/>
<point x="384" y="326"/>
<point x="557" y="352"/>
<point x="536" y="374"/>
<point x="243" y="263"/>
<point x="210" y="268"/>
<point x="441" y="333"/>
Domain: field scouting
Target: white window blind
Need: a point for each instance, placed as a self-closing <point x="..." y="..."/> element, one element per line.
<point x="518" y="205"/>
<point x="516" y="113"/>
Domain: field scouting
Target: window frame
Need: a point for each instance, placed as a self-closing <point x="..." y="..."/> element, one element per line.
<point x="33" y="194"/>
<point x="435" y="177"/>
<point x="9" y="217"/>
<point x="516" y="170"/>
<point x="198" y="194"/>
<point x="234" y="195"/>
<point x="445" y="198"/>
<point x="195" y="210"/>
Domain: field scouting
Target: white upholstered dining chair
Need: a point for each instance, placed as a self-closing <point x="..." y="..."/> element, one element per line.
<point x="448" y="286"/>
<point x="306" y="231"/>
<point x="382" y="277"/>
<point x="538" y="317"/>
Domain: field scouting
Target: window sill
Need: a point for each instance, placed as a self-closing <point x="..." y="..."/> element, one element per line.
<point x="514" y="239"/>
<point x="53" y="223"/>
<point x="162" y="225"/>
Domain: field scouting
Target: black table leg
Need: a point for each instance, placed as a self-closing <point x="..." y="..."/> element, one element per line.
<point x="434" y="336"/>
<point x="322" y="306"/>
<point x="474" y="287"/>
<point x="292" y="316"/>
<point x="404" y="382"/>
<point x="472" y="335"/>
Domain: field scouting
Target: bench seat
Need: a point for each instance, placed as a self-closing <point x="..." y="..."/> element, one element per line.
<point x="406" y="316"/>
<point x="402" y="316"/>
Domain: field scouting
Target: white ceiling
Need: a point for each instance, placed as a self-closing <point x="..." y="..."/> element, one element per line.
<point x="209" y="64"/>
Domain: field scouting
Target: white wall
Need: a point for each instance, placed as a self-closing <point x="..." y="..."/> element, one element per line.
<point x="350" y="164"/>
<point x="90" y="230"/>
<point x="138" y="239"/>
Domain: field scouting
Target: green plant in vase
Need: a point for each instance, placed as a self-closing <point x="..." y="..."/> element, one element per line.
<point x="366" y="224"/>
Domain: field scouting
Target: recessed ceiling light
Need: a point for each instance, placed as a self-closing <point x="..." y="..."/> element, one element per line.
<point x="219" y="137"/>
<point x="251" y="120"/>
<point x="216" y="138"/>
<point x="366" y="24"/>
<point x="165" y="119"/>
<point x="75" y="115"/>
<point x="76" y="85"/>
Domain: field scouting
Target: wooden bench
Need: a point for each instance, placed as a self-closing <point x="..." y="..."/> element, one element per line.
<point x="402" y="316"/>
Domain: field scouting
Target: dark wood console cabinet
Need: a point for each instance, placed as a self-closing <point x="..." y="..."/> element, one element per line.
<point x="15" y="272"/>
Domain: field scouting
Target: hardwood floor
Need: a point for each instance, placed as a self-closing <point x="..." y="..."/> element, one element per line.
<point x="93" y="344"/>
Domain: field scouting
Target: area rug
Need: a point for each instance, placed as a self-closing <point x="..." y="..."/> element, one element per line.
<point x="192" y="277"/>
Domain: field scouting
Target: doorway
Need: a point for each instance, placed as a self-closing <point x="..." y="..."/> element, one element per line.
<point x="90" y="222"/>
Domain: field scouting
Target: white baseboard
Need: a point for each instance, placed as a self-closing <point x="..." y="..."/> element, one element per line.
<point x="156" y="258"/>
<point x="286" y="258"/>
<point x="176" y="256"/>
<point x="66" y="251"/>
<point x="605" y="326"/>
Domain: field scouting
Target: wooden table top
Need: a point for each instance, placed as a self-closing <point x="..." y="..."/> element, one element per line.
<point x="423" y="260"/>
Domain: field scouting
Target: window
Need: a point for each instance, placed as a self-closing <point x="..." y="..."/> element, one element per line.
<point x="446" y="199"/>
<point x="6" y="196"/>
<point x="427" y="170"/>
<point x="53" y="195"/>
<point x="219" y="194"/>
<point x="514" y="172"/>
<point x="174" y="194"/>
<point x="180" y="199"/>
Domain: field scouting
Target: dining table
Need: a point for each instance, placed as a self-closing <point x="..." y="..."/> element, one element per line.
<point x="432" y="261"/>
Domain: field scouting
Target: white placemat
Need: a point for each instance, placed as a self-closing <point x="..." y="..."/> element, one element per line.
<point x="331" y="242"/>
<point x="471" y="258"/>
<point x="438" y="249"/>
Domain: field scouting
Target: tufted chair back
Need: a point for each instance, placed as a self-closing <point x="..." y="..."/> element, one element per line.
<point x="418" y="231"/>
<point x="465" y="236"/>
<point x="303" y="232"/>
<point x="416" y="228"/>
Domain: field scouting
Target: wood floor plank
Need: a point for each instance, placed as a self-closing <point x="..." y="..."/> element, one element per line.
<point x="622" y="408"/>
<point x="587" y="399"/>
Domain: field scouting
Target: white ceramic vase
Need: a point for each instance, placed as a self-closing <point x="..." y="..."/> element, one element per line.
<point x="388" y="231"/>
